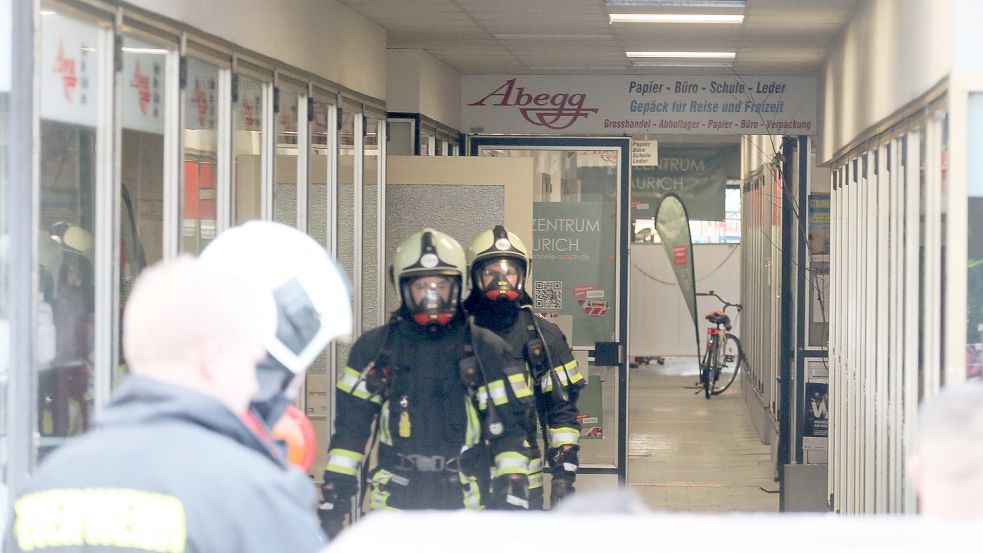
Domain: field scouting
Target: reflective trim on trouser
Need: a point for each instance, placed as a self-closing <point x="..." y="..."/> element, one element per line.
<point x="351" y="382"/>
<point x="563" y="436"/>
<point x="472" y="491"/>
<point x="378" y="494"/>
<point x="535" y="473"/>
<point x="511" y="462"/>
<point x="344" y="461"/>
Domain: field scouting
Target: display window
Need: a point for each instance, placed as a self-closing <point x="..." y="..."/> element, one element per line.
<point x="250" y="124"/>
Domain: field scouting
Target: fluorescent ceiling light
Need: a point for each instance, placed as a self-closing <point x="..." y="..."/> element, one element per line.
<point x="48" y="12"/>
<point x="577" y="68"/>
<point x="684" y="55"/>
<point x="707" y="18"/>
<point x="724" y="4"/>
<point x="132" y="50"/>
<point x="544" y="36"/>
<point x="682" y="64"/>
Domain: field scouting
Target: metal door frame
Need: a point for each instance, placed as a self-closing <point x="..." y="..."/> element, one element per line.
<point x="624" y="201"/>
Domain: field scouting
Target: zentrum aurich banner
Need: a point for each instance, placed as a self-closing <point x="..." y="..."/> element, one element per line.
<point x="626" y="104"/>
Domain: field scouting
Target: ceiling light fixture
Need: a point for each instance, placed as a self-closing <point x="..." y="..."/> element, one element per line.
<point x="717" y="4"/>
<point x="545" y="36"/>
<point x="707" y="64"/>
<point x="684" y="55"/>
<point x="707" y="18"/>
<point x="132" y="50"/>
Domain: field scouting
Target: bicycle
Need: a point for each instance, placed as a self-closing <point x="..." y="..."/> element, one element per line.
<point x="724" y="354"/>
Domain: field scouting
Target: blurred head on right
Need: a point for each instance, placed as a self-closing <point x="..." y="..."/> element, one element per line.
<point x="947" y="467"/>
<point x="197" y="328"/>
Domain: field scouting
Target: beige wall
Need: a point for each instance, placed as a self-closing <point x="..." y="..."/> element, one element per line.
<point x="324" y="37"/>
<point x="420" y="83"/>
<point x="891" y="52"/>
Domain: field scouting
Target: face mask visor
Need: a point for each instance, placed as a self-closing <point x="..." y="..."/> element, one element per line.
<point x="500" y="279"/>
<point x="431" y="299"/>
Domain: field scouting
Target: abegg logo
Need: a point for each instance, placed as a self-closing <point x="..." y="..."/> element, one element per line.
<point x="554" y="111"/>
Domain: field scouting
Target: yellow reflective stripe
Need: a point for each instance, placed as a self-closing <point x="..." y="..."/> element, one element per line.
<point x="100" y="517"/>
<point x="482" y="398"/>
<point x="385" y="435"/>
<point x="378" y="496"/>
<point x="564" y="436"/>
<point x="546" y="383"/>
<point x="473" y="434"/>
<point x="347" y="379"/>
<point x="519" y="386"/>
<point x="535" y="473"/>
<point x="347" y="383"/>
<point x="511" y="462"/>
<point x="344" y="461"/>
<point x="574" y="371"/>
<point x="472" y="491"/>
<point x="496" y="390"/>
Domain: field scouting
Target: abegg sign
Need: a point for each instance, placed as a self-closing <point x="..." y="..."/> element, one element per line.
<point x="628" y="104"/>
<point x="550" y="110"/>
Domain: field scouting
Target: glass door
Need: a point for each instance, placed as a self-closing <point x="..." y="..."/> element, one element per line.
<point x="579" y="276"/>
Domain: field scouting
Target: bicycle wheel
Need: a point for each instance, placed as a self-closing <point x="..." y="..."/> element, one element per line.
<point x="730" y="359"/>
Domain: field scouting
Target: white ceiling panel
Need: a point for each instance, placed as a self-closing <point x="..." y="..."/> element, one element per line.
<point x="550" y="36"/>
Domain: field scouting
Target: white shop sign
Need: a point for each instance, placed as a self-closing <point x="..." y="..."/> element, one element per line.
<point x="71" y="70"/>
<point x="644" y="153"/>
<point x="142" y="86"/>
<point x="626" y="104"/>
<point x="5" y="45"/>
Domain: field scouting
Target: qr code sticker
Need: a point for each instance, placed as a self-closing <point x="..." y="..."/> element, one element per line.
<point x="548" y="294"/>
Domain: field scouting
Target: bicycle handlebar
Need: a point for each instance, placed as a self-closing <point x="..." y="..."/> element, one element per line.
<point x="722" y="300"/>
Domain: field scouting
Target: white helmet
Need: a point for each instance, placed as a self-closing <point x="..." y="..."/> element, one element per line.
<point x="313" y="299"/>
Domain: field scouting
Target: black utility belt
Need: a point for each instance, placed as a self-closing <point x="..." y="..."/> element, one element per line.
<point x="427" y="463"/>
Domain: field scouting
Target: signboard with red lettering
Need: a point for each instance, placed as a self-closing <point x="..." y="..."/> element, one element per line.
<point x="635" y="104"/>
<point x="71" y="70"/>
<point x="142" y="86"/>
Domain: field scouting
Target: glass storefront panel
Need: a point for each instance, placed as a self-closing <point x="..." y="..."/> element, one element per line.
<point x="286" y="173"/>
<point x="345" y="213"/>
<point x="974" y="263"/>
<point x="142" y="91"/>
<point x="199" y="212"/>
<point x="74" y="103"/>
<point x="248" y="139"/>
<point x="5" y="350"/>
<point x="371" y="317"/>
<point x="575" y="244"/>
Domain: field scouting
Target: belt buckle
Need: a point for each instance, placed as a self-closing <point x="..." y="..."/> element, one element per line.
<point x="429" y="463"/>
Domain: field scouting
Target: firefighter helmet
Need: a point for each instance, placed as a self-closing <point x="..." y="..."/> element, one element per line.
<point x="427" y="272"/>
<point x="499" y="264"/>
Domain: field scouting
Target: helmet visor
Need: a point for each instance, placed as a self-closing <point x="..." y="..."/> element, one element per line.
<point x="501" y="278"/>
<point x="431" y="299"/>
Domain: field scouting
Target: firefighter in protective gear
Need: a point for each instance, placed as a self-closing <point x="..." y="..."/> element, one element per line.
<point x="449" y="405"/>
<point x="499" y="270"/>
<point x="312" y="308"/>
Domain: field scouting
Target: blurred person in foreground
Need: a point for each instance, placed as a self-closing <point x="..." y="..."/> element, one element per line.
<point x="947" y="468"/>
<point x="170" y="466"/>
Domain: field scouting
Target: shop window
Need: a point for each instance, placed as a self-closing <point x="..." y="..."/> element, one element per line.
<point x="199" y="212"/>
<point x="287" y="158"/>
<point x="5" y="349"/>
<point x="371" y="158"/>
<point x="73" y="104"/>
<point x="974" y="262"/>
<point x="727" y="231"/>
<point x="248" y="113"/>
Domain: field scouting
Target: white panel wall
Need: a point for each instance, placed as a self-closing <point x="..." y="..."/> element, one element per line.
<point x="660" y="323"/>
<point x="324" y="37"/>
<point x="420" y="83"/>
<point x="891" y="52"/>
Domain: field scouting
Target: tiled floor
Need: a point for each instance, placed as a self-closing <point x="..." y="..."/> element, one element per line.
<point x="687" y="453"/>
